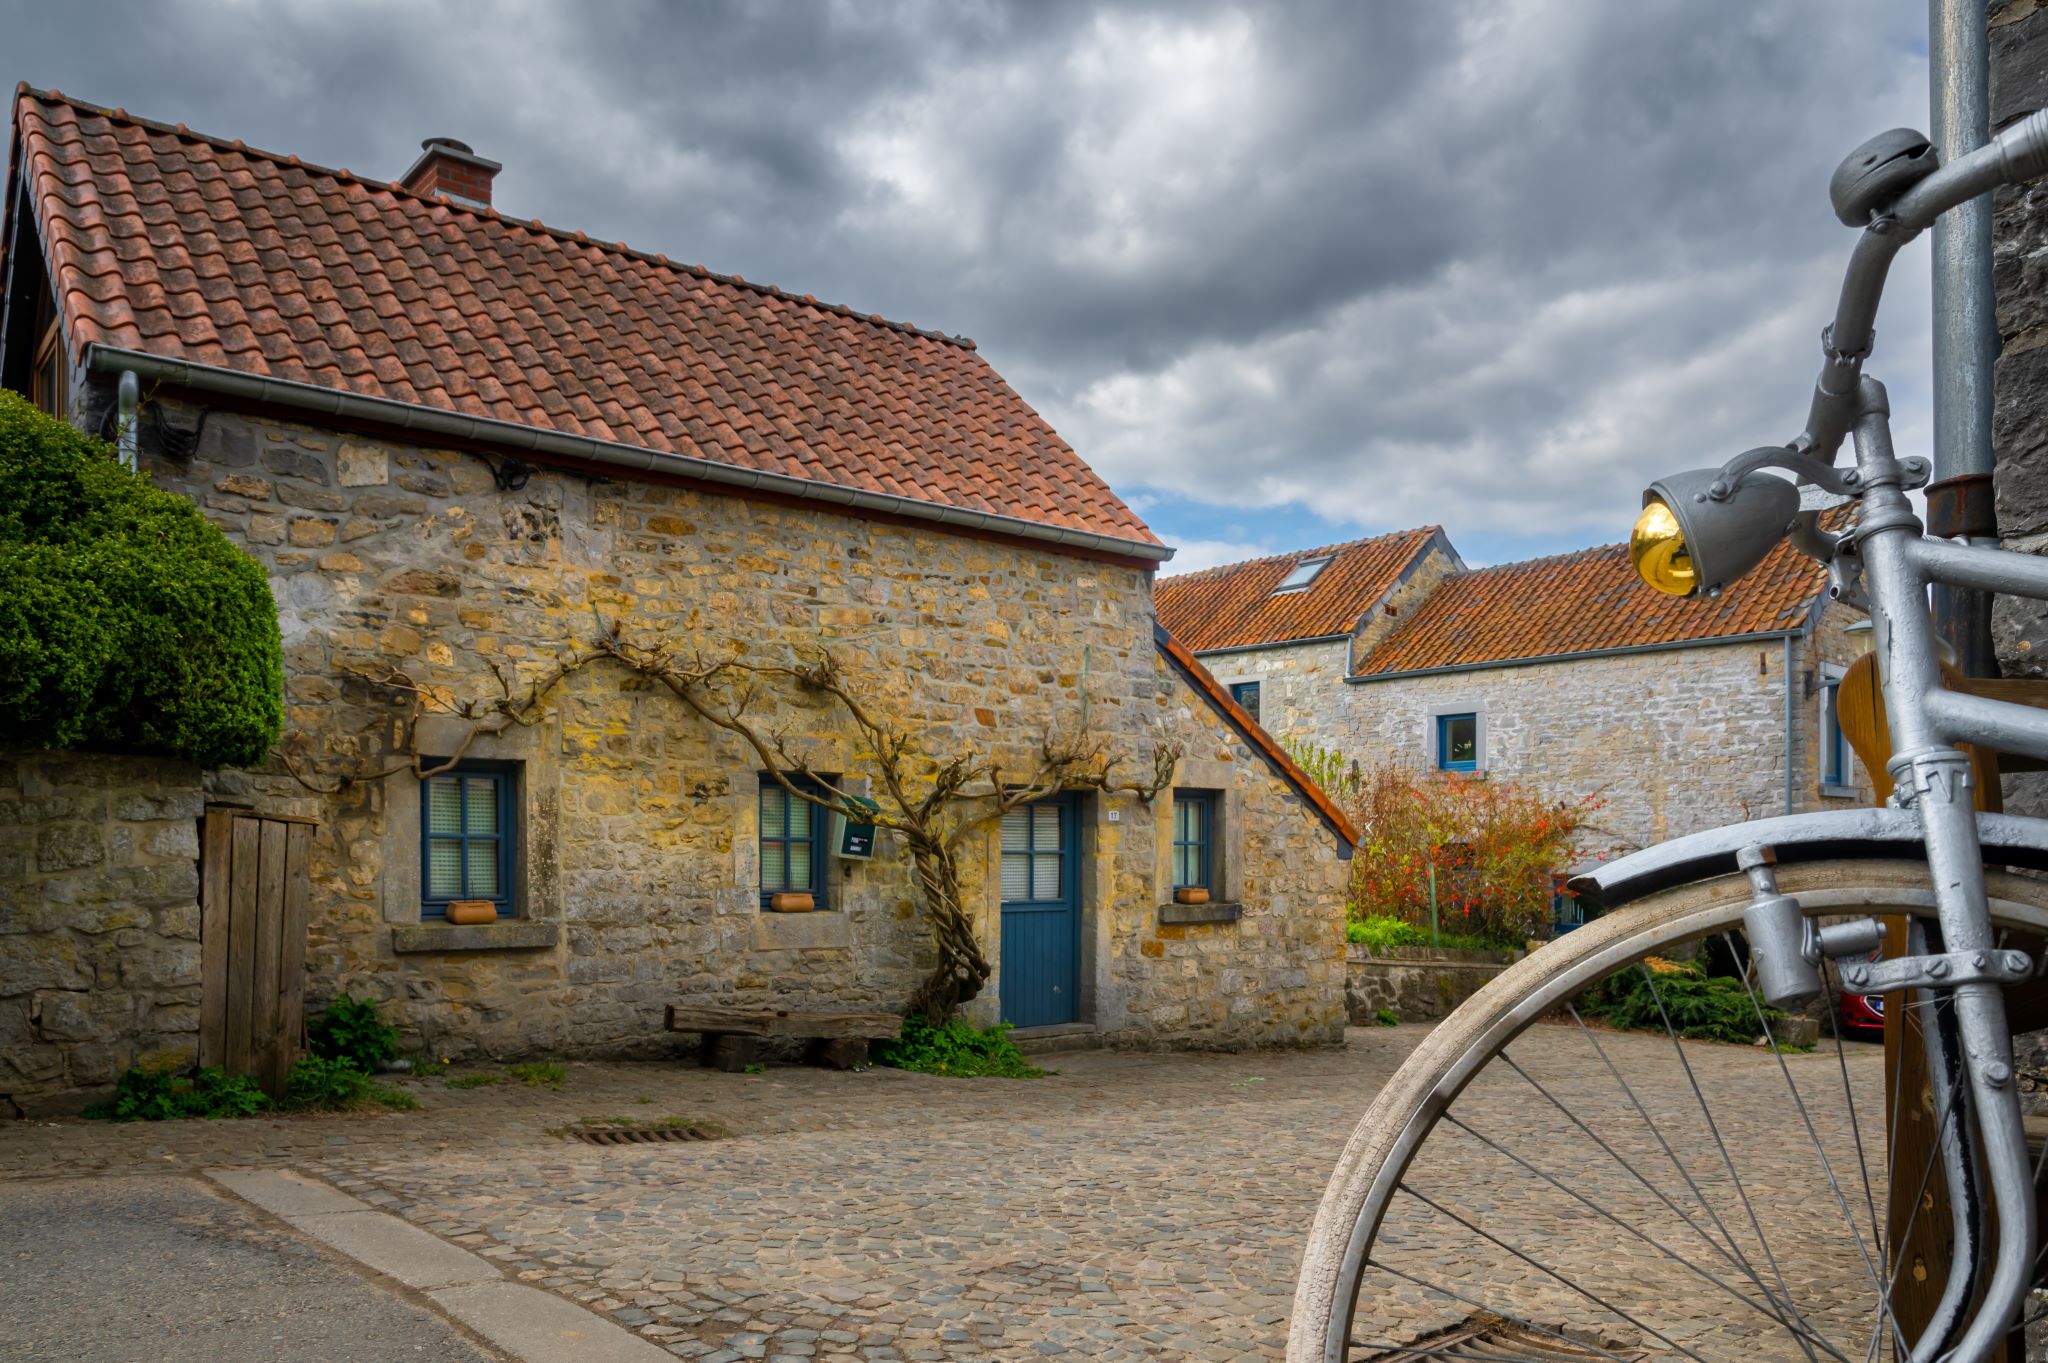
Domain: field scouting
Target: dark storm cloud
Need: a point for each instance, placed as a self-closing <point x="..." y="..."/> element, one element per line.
<point x="1482" y="264"/>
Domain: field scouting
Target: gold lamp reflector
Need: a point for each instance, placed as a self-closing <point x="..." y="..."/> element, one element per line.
<point x="1658" y="550"/>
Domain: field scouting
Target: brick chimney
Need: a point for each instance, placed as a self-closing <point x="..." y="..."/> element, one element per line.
<point x="449" y="167"/>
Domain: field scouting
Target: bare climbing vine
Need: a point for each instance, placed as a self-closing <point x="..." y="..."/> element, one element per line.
<point x="934" y="802"/>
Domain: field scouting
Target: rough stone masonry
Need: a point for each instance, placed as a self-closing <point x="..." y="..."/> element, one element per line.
<point x="638" y="840"/>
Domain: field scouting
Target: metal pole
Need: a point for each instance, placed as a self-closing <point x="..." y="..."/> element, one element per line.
<point x="1959" y="503"/>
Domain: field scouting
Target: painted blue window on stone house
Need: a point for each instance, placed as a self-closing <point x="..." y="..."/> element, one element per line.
<point x="468" y="827"/>
<point x="1194" y="822"/>
<point x="794" y="835"/>
<point x="1246" y="694"/>
<point x="1457" y="742"/>
<point x="1837" y="764"/>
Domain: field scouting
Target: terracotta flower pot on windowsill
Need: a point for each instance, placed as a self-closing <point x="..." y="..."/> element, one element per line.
<point x="793" y="903"/>
<point x="465" y="912"/>
<point x="1192" y="894"/>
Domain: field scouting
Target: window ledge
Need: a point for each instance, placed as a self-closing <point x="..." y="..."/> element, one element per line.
<point x="1841" y="792"/>
<point x="1200" y="913"/>
<point x="515" y="934"/>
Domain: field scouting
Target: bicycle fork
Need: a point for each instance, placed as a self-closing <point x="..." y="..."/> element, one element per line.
<point x="1970" y="1058"/>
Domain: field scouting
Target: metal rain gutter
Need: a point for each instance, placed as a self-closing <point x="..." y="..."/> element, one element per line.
<point x="1763" y="637"/>
<point x="510" y="435"/>
<point x="1260" y="648"/>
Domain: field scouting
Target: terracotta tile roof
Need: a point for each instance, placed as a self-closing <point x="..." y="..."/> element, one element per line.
<point x="1234" y="606"/>
<point x="210" y="252"/>
<point x="1238" y="718"/>
<point x="1576" y="603"/>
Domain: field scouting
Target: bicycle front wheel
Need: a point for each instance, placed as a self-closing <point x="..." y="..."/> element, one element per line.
<point x="1537" y="1183"/>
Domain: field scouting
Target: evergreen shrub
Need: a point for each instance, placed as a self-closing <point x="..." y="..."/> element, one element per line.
<point x="128" y="622"/>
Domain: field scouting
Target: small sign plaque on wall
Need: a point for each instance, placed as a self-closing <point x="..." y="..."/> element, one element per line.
<point x="855" y="841"/>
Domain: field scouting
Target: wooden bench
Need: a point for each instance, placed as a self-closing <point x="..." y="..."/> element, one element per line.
<point x="732" y="1036"/>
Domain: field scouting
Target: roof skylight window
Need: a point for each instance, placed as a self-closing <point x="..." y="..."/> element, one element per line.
<point x="1302" y="574"/>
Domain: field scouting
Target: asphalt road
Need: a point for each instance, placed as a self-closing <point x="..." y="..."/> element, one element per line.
<point x="170" y="1270"/>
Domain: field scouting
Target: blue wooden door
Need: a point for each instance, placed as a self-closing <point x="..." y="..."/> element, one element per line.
<point x="1041" y="946"/>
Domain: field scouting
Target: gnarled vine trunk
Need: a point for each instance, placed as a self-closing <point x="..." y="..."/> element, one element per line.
<point x="962" y="969"/>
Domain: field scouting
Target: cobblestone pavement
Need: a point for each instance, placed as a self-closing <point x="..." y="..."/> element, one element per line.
<point x="1128" y="1207"/>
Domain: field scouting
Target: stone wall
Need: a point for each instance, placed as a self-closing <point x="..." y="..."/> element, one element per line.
<point x="1672" y="741"/>
<point x="2019" y="85"/>
<point x="99" y="922"/>
<point x="1416" y="984"/>
<point x="400" y="566"/>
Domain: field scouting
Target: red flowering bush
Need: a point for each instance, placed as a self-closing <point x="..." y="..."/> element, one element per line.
<point x="1492" y="848"/>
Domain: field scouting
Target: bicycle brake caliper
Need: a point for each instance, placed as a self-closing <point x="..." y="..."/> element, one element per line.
<point x="1784" y="945"/>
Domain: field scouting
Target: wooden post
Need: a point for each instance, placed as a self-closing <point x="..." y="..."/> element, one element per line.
<point x="216" y="852"/>
<point x="241" y="974"/>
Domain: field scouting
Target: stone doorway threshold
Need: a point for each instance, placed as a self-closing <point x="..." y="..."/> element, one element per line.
<point x="1061" y="1036"/>
<point x="526" y="1322"/>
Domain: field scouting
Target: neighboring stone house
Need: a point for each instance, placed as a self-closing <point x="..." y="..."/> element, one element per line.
<point x="1565" y="672"/>
<point x="461" y="443"/>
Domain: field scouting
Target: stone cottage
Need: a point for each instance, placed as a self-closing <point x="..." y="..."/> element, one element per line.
<point x="1567" y="673"/>
<point x="466" y="446"/>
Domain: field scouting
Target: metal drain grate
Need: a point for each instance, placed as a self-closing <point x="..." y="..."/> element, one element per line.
<point x="645" y="1135"/>
<point x="1489" y="1339"/>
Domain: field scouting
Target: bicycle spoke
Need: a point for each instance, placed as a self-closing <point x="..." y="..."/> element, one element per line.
<point x="1548" y="1271"/>
<point x="1727" y="1252"/>
<point x="1647" y="1239"/>
<point x="1949" y="1109"/>
<point x="1478" y="1305"/>
<point x="1672" y="1155"/>
<point x="1855" y="1126"/>
<point x="1877" y="1280"/>
<point x="1412" y="1351"/>
<point x="1721" y="1145"/>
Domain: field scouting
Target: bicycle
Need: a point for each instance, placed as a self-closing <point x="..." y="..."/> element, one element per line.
<point x="1495" y="1204"/>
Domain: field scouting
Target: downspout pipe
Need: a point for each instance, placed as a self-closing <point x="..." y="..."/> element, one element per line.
<point x="1791" y="734"/>
<point x="128" y="401"/>
<point x="1965" y="324"/>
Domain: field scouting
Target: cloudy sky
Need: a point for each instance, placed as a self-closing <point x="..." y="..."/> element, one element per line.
<point x="1285" y="273"/>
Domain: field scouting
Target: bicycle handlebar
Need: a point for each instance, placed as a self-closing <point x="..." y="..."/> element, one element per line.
<point x="2015" y="156"/>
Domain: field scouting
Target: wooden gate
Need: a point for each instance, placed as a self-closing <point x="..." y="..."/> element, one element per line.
<point x="252" y="940"/>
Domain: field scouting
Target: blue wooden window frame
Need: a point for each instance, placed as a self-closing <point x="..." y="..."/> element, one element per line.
<point x="497" y="782"/>
<point x="813" y="832"/>
<point x="1836" y="768"/>
<point x="1246" y="694"/>
<point x="1035" y="859"/>
<point x="1194" y="839"/>
<point x="1443" y="741"/>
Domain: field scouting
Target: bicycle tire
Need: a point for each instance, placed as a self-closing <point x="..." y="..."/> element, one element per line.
<point x="1408" y="1110"/>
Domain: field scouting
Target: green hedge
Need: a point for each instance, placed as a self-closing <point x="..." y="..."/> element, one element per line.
<point x="127" y="621"/>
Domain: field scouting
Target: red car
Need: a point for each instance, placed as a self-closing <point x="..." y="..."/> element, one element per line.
<point x="1860" y="1015"/>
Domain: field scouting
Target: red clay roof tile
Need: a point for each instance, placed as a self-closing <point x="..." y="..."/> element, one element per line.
<point x="1578" y="603"/>
<point x="1234" y="606"/>
<point x="321" y="278"/>
<point x="1235" y="715"/>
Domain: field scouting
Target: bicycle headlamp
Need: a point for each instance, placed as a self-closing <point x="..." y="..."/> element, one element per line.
<point x="1686" y="542"/>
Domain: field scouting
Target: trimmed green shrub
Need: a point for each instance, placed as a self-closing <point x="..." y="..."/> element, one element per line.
<point x="351" y="1030"/>
<point x="958" y="1048"/>
<point x="1383" y="930"/>
<point x="1702" y="1007"/>
<point x="160" y="1096"/>
<point x="128" y="622"/>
